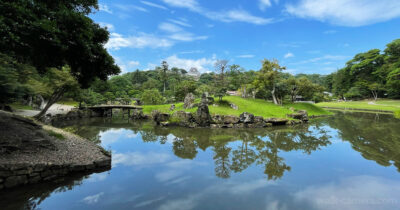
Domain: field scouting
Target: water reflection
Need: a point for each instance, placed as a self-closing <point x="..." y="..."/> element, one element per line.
<point x="30" y="197"/>
<point x="234" y="150"/>
<point x="376" y="138"/>
<point x="329" y="163"/>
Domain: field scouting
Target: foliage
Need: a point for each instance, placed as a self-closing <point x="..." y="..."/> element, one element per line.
<point x="258" y="107"/>
<point x="49" y="34"/>
<point x="56" y="135"/>
<point x="268" y="78"/>
<point x="152" y="96"/>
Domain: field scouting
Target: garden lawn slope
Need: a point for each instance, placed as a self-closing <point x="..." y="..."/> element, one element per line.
<point x="379" y="105"/>
<point x="258" y="107"/>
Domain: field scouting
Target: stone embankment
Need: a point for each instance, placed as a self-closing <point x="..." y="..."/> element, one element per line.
<point x="32" y="153"/>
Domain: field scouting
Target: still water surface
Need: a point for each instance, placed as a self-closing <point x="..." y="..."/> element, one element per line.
<point x="346" y="161"/>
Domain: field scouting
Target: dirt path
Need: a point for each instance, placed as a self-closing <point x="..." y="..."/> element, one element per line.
<point x="53" y="110"/>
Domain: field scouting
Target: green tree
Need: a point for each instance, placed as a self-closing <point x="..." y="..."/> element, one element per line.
<point x="268" y="77"/>
<point x="56" y="33"/>
<point x="183" y="88"/>
<point x="152" y="96"/>
<point x="57" y="82"/>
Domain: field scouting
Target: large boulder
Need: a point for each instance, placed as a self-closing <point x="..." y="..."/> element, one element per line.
<point x="203" y="114"/>
<point x="246" y="117"/>
<point x="137" y="114"/>
<point x="182" y="118"/>
<point x="230" y="119"/>
<point x="276" y="121"/>
<point x="159" y="117"/>
<point x="300" y="115"/>
<point x="188" y="102"/>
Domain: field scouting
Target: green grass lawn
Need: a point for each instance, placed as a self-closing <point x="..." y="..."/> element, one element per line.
<point x="258" y="107"/>
<point x="379" y="105"/>
<point x="16" y="106"/>
<point x="69" y="103"/>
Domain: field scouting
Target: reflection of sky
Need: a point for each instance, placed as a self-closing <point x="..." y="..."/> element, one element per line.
<point x="147" y="175"/>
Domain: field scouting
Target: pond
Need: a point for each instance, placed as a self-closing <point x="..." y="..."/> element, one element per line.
<point x="346" y="161"/>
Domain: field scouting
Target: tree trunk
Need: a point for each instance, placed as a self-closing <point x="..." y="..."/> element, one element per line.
<point x="53" y="99"/>
<point x="29" y="101"/>
<point x="375" y="94"/>
<point x="274" y="96"/>
<point x="42" y="102"/>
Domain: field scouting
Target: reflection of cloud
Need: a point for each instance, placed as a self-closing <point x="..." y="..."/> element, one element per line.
<point x="179" y="180"/>
<point x="236" y="188"/>
<point x="184" y="204"/>
<point x="139" y="158"/>
<point x="239" y="188"/>
<point x="176" y="169"/>
<point x="97" y="177"/>
<point x="358" y="192"/>
<point x="91" y="199"/>
<point x="148" y="202"/>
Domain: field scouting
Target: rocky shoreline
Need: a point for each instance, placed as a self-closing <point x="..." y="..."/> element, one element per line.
<point x="31" y="152"/>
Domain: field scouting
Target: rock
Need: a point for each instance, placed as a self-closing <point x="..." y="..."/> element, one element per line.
<point x="276" y="121"/>
<point x="203" y="117"/>
<point x="159" y="117"/>
<point x="246" y="117"/>
<point x="239" y="125"/>
<point x="258" y="119"/>
<point x="230" y="119"/>
<point x="233" y="106"/>
<point x="218" y="119"/>
<point x="138" y="114"/>
<point x="172" y="108"/>
<point x="188" y="102"/>
<point x="15" y="180"/>
<point x="300" y="115"/>
<point x="182" y="118"/>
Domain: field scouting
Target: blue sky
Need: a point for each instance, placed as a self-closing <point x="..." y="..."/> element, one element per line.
<point x="306" y="36"/>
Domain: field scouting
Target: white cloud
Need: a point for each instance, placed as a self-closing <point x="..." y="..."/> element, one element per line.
<point x="186" y="37"/>
<point x="151" y="4"/>
<point x="288" y="55"/>
<point x="104" y="8"/>
<point x="109" y="26"/>
<point x="180" y="22"/>
<point x="92" y="199"/>
<point x="245" y="56"/>
<point x="169" y="27"/>
<point x="132" y="64"/>
<point x="263" y="4"/>
<point x="128" y="8"/>
<point x="238" y="16"/>
<point x="142" y="40"/>
<point x="177" y="33"/>
<point x="202" y="64"/>
<point x="188" y="4"/>
<point x="347" y="12"/>
<point x="234" y="15"/>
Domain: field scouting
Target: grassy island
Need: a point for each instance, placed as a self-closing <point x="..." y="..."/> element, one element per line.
<point x="258" y="107"/>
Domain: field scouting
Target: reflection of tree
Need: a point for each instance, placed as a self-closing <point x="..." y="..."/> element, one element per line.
<point x="185" y="148"/>
<point x="33" y="196"/>
<point x="222" y="162"/>
<point x="376" y="138"/>
<point x="256" y="146"/>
